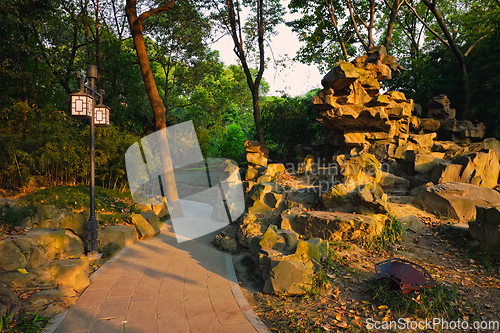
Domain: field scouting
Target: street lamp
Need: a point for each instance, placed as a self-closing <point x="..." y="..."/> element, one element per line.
<point x="83" y="105"/>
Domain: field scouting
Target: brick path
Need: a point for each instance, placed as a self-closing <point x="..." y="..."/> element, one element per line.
<point x="158" y="285"/>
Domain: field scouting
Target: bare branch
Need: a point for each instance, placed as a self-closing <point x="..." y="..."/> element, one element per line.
<point x="356" y="26"/>
<point x="334" y="21"/>
<point x="475" y="43"/>
<point x="426" y="25"/>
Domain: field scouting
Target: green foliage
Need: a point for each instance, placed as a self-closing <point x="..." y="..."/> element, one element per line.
<point x="232" y="145"/>
<point x="11" y="216"/>
<point x="28" y="323"/>
<point x="288" y="122"/>
<point x="435" y="302"/>
<point x="77" y="197"/>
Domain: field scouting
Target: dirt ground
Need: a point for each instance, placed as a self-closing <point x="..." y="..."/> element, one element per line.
<point x="449" y="255"/>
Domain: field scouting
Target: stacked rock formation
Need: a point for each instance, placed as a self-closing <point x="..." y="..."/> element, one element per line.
<point x="387" y="125"/>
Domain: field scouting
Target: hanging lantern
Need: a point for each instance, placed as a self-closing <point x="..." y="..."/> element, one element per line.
<point x="81" y="105"/>
<point x="101" y="115"/>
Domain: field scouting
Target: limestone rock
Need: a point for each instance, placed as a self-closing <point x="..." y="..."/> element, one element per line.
<point x="396" y="96"/>
<point x="456" y="200"/>
<point x="75" y="223"/>
<point x="388" y="180"/>
<point x="304" y="196"/>
<point x="227" y="239"/>
<point x="422" y="163"/>
<point x="290" y="277"/>
<point x="153" y="220"/>
<point x="256" y="159"/>
<point x="249" y="228"/>
<point x="118" y="235"/>
<point x="439" y="108"/>
<point x="17" y="279"/>
<point x="72" y="245"/>
<point x="340" y="76"/>
<point x="144" y="229"/>
<point x="53" y="241"/>
<point x="71" y="272"/>
<point x="481" y="168"/>
<point x="336" y="226"/>
<point x="256" y="147"/>
<point x="264" y="201"/>
<point x="11" y="257"/>
<point x="314" y="248"/>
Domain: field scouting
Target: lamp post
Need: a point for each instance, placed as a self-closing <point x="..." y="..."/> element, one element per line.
<point x="84" y="105"/>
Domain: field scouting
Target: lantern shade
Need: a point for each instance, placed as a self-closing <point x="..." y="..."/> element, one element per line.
<point x="101" y="115"/>
<point x="81" y="105"/>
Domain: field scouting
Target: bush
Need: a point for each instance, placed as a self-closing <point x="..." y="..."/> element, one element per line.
<point x="232" y="144"/>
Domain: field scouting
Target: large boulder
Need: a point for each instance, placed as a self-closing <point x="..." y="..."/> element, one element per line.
<point x="144" y="228"/>
<point x="456" y="200"/>
<point x="480" y="168"/>
<point x="71" y="272"/>
<point x="11" y="257"/>
<point x="336" y="226"/>
<point x="264" y="200"/>
<point x="486" y="227"/>
<point x="340" y="76"/>
<point x="290" y="277"/>
<point x="117" y="235"/>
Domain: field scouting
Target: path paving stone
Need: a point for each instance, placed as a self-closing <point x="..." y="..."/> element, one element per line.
<point x="160" y="286"/>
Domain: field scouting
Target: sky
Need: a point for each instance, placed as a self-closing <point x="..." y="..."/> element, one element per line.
<point x="295" y="79"/>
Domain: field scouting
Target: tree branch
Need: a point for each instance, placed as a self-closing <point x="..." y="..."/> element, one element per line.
<point x="427" y="26"/>
<point x="477" y="41"/>
<point x="356" y="26"/>
<point x="153" y="11"/>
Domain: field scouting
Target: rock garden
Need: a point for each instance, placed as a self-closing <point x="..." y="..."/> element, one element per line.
<point x="393" y="179"/>
<point x="43" y="266"/>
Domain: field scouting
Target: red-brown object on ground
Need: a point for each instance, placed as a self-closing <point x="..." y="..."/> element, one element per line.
<point x="409" y="276"/>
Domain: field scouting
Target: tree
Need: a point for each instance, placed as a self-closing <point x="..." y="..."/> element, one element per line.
<point x="249" y="38"/>
<point x="135" y="23"/>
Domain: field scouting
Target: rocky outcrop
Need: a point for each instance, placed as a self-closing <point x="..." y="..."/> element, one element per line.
<point x="49" y="216"/>
<point x="257" y="153"/>
<point x="285" y="263"/>
<point x="336" y="226"/>
<point x="144" y="228"/>
<point x="456" y="200"/>
<point x="481" y="168"/>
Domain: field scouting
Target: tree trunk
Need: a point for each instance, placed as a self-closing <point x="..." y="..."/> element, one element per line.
<point x="392" y="21"/>
<point x="456" y="51"/>
<point x="253" y="85"/>
<point x="135" y="22"/>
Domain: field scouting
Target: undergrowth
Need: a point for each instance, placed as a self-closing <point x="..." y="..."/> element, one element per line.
<point x="27" y="323"/>
<point x="434" y="302"/>
<point x="112" y="206"/>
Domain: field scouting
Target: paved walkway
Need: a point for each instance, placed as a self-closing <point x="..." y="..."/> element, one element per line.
<point x="158" y="285"/>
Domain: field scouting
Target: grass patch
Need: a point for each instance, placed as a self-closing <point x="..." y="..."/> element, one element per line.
<point x="111" y="205"/>
<point x="391" y="234"/>
<point x="78" y="197"/>
<point x="27" y="323"/>
<point x="436" y="302"/>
